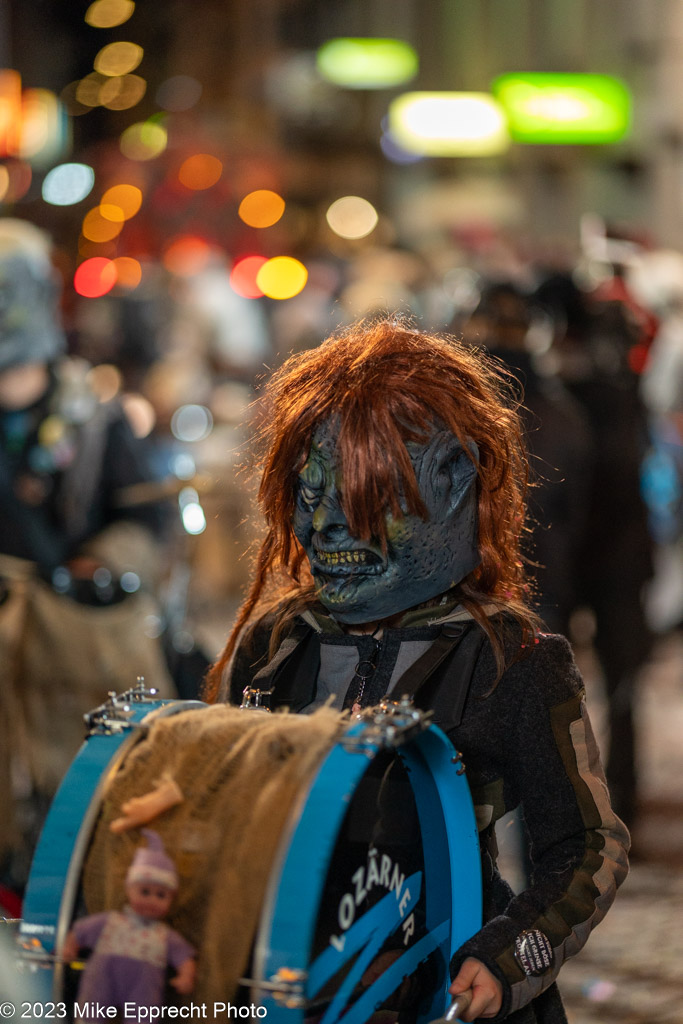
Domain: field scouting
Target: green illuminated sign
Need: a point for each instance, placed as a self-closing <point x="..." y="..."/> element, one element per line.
<point x="367" y="63"/>
<point x="564" y="108"/>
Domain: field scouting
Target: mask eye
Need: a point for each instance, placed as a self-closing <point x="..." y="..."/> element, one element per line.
<point x="308" y="495"/>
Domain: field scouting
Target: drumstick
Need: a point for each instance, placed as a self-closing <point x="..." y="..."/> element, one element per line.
<point x="459" y="1006"/>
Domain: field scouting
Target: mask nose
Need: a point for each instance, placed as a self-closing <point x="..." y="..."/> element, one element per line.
<point x="329" y="518"/>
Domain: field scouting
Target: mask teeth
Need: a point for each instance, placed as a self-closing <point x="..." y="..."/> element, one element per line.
<point x="343" y="557"/>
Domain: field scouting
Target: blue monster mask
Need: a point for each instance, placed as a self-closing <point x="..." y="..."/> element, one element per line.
<point x="355" y="580"/>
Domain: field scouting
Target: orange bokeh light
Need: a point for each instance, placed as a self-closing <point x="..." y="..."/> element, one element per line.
<point x="98" y="228"/>
<point x="186" y="255"/>
<point x="200" y="171"/>
<point x="262" y="208"/>
<point x="95" y="277"/>
<point x="128" y="272"/>
<point x="126" y="199"/>
<point x="243" y="276"/>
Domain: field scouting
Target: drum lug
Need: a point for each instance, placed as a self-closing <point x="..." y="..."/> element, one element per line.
<point x="114" y="715"/>
<point x="389" y="724"/>
<point x="255" y="699"/>
<point x="286" y="986"/>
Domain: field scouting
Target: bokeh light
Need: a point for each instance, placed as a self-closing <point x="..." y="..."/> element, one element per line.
<point x="118" y="58"/>
<point x="262" y="208"/>
<point x="243" y="276"/>
<point x="122" y="92"/>
<point x="86" y="248"/>
<point x="68" y="184"/>
<point x="95" y="277"/>
<point x="10" y="110"/>
<point x="367" y="63"/>
<point x="105" y="381"/>
<point x="43" y="127"/>
<point x="191" y="423"/>
<point x="352" y="217"/>
<point x="449" y="124"/>
<point x="283" y="277"/>
<point x="18" y="182"/>
<point x="88" y="89"/>
<point x="109" y="13"/>
<point x="127" y="199"/>
<point x="139" y="413"/>
<point x="200" y="171"/>
<point x="144" y="140"/>
<point x="564" y="108"/>
<point x="128" y="272"/>
<point x="4" y="182"/>
<point x="71" y="104"/>
<point x="186" y="255"/>
<point x="178" y="93"/>
<point x="396" y="153"/>
<point x="97" y="228"/>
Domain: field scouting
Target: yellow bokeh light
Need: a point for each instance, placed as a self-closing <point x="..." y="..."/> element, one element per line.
<point x="127" y="199"/>
<point x="352" y="217"/>
<point x="88" y="90"/>
<point x="98" y="229"/>
<point x="262" y="208"/>
<point x="122" y="92"/>
<point x="128" y="272"/>
<point x="200" y="171"/>
<point x="109" y="13"/>
<point x="144" y="141"/>
<point x="4" y="182"/>
<point x="283" y="277"/>
<point x="118" y="58"/>
<point x="449" y="124"/>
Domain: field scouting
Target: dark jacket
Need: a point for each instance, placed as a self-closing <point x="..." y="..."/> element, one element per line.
<point x="526" y="742"/>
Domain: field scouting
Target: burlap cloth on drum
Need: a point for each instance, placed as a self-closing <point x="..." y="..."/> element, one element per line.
<point x="240" y="772"/>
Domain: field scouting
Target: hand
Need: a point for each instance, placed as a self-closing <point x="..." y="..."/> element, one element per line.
<point x="184" y="979"/>
<point x="487" y="991"/>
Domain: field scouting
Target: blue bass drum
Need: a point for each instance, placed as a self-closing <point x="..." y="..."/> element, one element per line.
<point x="374" y="885"/>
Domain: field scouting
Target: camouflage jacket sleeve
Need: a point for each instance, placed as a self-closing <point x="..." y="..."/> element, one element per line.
<point x="528" y="742"/>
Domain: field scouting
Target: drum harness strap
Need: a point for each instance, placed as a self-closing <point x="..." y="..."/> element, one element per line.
<point x="430" y="682"/>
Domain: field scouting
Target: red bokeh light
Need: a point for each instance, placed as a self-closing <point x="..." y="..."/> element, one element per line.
<point x="243" y="276"/>
<point x="95" y="277"/>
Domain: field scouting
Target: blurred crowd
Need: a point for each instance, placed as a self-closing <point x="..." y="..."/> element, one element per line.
<point x="126" y="502"/>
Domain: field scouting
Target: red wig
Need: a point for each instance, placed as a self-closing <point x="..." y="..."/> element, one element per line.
<point x="387" y="384"/>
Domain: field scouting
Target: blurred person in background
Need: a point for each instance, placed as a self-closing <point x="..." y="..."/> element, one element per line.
<point x="595" y="337"/>
<point x="79" y="546"/>
<point x="560" y="445"/>
<point x="657" y="280"/>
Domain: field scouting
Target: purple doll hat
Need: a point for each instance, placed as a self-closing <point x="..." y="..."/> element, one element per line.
<point x="151" y="863"/>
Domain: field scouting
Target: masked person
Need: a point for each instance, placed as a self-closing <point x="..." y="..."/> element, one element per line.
<point x="393" y="491"/>
<point x="78" y="557"/>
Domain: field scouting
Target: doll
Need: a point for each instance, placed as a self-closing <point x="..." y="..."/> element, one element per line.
<point x="132" y="948"/>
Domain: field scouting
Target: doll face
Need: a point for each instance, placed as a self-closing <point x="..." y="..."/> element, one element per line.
<point x="150" y="899"/>
<point x="354" y="579"/>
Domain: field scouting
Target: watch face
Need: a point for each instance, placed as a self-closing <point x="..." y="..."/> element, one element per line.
<point x="360" y="580"/>
<point x="533" y="952"/>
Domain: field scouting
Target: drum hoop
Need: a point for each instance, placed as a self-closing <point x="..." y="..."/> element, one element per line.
<point x="331" y="788"/>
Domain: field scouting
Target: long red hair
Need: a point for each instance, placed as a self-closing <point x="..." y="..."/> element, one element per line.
<point x="387" y="383"/>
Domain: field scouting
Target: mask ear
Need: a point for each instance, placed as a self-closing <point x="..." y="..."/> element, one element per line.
<point x="462" y="472"/>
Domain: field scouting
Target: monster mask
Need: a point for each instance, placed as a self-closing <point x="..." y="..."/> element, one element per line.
<point x="355" y="579"/>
